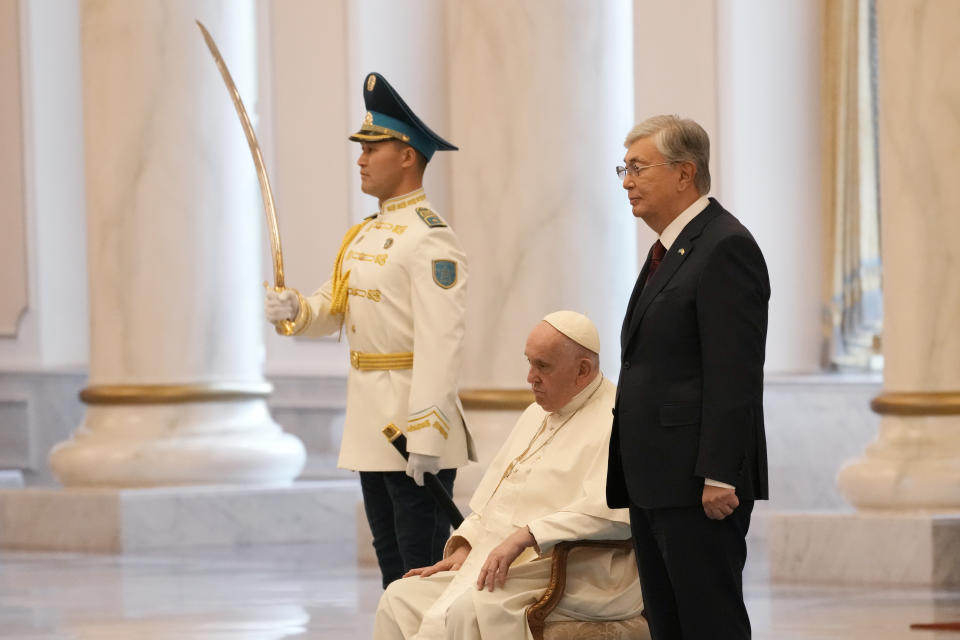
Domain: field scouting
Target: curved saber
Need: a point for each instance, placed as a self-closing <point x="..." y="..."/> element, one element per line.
<point x="270" y="209"/>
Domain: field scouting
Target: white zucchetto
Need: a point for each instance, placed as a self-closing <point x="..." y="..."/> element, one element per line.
<point x="577" y="327"/>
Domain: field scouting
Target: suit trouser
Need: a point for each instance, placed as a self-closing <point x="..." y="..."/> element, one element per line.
<point x="691" y="571"/>
<point x="409" y="529"/>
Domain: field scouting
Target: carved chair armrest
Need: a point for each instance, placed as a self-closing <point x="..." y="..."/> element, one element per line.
<point x="537" y="612"/>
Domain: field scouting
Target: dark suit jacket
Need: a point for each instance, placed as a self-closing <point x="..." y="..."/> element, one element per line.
<point x="690" y="398"/>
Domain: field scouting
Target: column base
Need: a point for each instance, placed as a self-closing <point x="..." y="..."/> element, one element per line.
<point x="924" y="483"/>
<point x="895" y="548"/>
<point x="137" y="446"/>
<point x="128" y="520"/>
<point x="913" y="464"/>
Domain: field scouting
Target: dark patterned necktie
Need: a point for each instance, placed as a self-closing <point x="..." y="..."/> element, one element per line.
<point x="656" y="256"/>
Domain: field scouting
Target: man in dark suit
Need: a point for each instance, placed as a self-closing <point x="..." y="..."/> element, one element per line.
<point x="688" y="451"/>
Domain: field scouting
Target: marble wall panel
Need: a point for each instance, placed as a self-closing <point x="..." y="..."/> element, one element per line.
<point x="54" y="410"/>
<point x="109" y="520"/>
<point x="16" y="451"/>
<point x="814" y="425"/>
<point x="54" y="332"/>
<point x="13" y="255"/>
<point x="867" y="547"/>
<point x="11" y="479"/>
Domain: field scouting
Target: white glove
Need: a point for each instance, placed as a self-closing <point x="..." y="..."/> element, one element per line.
<point x="419" y="464"/>
<point x="280" y="306"/>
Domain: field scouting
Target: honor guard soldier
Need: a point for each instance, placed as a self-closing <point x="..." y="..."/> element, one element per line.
<point x="398" y="291"/>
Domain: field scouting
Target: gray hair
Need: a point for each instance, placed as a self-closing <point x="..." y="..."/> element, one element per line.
<point x="678" y="140"/>
<point x="576" y="351"/>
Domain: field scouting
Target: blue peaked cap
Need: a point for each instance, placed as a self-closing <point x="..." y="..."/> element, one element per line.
<point x="388" y="117"/>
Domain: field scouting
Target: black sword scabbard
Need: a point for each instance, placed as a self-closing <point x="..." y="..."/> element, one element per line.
<point x="430" y="481"/>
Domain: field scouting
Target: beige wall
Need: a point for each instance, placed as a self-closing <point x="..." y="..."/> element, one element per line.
<point x="50" y="217"/>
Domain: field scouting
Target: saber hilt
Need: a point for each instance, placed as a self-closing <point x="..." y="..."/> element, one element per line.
<point x="430" y="481"/>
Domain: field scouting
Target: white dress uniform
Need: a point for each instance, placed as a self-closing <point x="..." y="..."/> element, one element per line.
<point x="549" y="476"/>
<point x="406" y="299"/>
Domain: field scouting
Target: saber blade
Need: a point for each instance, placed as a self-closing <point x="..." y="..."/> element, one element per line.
<point x="273" y="226"/>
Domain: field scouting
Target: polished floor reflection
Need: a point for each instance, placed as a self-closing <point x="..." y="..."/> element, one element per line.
<point x="317" y="592"/>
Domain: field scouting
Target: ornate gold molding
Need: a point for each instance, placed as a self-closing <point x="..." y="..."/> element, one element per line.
<point x="496" y="399"/>
<point x="917" y="403"/>
<point x="174" y="393"/>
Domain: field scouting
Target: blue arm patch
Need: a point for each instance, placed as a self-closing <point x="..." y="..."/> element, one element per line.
<point x="445" y="273"/>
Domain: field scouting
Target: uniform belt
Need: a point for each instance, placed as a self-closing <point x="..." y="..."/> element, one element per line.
<point x="380" y="361"/>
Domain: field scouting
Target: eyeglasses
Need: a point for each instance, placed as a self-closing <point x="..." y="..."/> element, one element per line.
<point x="635" y="169"/>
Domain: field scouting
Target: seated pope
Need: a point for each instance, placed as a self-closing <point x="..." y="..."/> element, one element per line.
<point x="545" y="485"/>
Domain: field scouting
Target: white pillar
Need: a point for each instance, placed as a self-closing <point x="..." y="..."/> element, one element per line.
<point x="404" y="42"/>
<point x="767" y="149"/>
<point x="541" y="102"/>
<point x="176" y="392"/>
<point x="915" y="461"/>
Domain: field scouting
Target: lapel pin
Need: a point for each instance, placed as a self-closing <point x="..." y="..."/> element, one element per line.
<point x="682" y="251"/>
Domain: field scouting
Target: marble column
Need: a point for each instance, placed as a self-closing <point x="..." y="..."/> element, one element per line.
<point x="176" y="392"/>
<point x="915" y="460"/>
<point x="541" y="100"/>
<point x="906" y="485"/>
<point x="417" y="70"/>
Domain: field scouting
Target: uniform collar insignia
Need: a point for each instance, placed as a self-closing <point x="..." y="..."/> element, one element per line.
<point x="400" y="202"/>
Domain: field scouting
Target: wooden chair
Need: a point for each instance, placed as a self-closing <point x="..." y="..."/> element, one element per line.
<point x="632" y="628"/>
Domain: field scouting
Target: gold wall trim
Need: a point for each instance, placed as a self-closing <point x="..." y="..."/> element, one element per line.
<point x="174" y="393"/>
<point x="496" y="399"/>
<point x="931" y="403"/>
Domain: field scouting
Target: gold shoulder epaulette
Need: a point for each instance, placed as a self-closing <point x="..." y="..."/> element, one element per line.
<point x="430" y="218"/>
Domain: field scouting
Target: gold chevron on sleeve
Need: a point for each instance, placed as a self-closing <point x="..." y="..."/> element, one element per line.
<point x="431" y="417"/>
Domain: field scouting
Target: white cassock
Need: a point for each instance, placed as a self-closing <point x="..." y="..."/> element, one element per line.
<point x="550" y="475"/>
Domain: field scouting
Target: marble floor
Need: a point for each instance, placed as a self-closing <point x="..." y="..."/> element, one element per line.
<point x="267" y="593"/>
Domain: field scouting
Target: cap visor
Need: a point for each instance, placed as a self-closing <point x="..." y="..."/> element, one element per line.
<point x="369" y="136"/>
